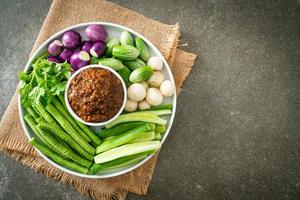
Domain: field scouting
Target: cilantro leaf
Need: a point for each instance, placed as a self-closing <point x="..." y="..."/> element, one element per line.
<point x="43" y="81"/>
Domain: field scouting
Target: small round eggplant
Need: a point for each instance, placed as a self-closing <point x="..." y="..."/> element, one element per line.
<point x="97" y="49"/>
<point x="65" y="55"/>
<point x="55" y="47"/>
<point x="86" y="46"/>
<point x="79" y="59"/>
<point x="53" y="59"/>
<point x="96" y="33"/>
<point x="71" y="39"/>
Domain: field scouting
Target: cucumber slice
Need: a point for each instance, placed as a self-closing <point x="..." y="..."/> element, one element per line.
<point x="126" y="150"/>
<point x="144" y="116"/>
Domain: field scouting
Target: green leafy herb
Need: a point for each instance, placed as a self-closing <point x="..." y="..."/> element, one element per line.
<point x="42" y="81"/>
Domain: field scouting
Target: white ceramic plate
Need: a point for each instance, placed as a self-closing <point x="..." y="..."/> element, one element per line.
<point x="113" y="30"/>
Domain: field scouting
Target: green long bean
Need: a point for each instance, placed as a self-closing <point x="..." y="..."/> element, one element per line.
<point x="56" y="158"/>
<point x="69" y="129"/>
<point x="91" y="135"/>
<point x="69" y="118"/>
<point x="64" y="136"/>
<point x="62" y="150"/>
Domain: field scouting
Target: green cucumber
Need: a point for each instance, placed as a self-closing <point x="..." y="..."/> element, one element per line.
<point x="112" y="63"/>
<point x="140" y="74"/>
<point x="157" y="136"/>
<point x="110" y="44"/>
<point x="158" y="112"/>
<point x="129" y="162"/>
<point x="125" y="52"/>
<point x="137" y="116"/>
<point x="134" y="64"/>
<point x="108" y="138"/>
<point x="126" y="38"/>
<point x="94" y="60"/>
<point x="122" y="138"/>
<point x="127" y="150"/>
<point x="121" y="128"/>
<point x="125" y="73"/>
<point x="152" y="126"/>
<point x="97" y="167"/>
<point x="160" y="128"/>
<point x="56" y="158"/>
<point x="145" y="137"/>
<point x="162" y="107"/>
<point x="141" y="46"/>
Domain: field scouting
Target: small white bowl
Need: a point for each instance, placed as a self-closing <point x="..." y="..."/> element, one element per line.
<point x="93" y="123"/>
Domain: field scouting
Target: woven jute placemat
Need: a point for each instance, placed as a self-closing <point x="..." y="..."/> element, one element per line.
<point x="64" y="13"/>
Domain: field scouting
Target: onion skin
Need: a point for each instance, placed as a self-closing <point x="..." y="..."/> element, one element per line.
<point x="65" y="55"/>
<point x="97" y="49"/>
<point x="77" y="61"/>
<point x="55" y="47"/>
<point x="96" y="33"/>
<point x="86" y="46"/>
<point x="71" y="39"/>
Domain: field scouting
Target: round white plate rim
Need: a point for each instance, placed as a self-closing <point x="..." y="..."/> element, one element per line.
<point x="157" y="53"/>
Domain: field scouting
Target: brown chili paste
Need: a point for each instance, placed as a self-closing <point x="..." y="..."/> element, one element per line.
<point x="96" y="95"/>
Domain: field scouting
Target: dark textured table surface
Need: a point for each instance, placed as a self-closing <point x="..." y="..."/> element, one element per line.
<point x="237" y="130"/>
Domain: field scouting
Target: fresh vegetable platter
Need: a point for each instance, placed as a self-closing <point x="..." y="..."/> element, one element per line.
<point x="120" y="145"/>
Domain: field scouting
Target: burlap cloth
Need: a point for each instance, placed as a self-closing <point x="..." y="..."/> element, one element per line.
<point x="64" y="13"/>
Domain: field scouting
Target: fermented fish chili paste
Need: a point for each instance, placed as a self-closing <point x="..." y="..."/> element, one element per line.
<point x="96" y="95"/>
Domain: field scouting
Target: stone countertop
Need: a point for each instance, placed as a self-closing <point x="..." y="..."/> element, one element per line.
<point x="236" y="134"/>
